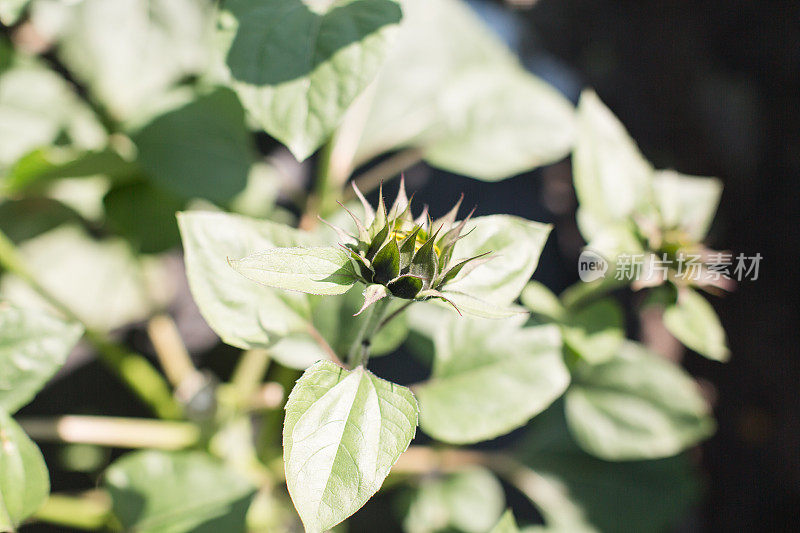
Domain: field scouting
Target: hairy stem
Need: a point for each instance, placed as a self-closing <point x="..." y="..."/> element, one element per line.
<point x="134" y="369"/>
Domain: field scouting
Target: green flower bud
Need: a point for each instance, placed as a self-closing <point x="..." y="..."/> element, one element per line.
<point x="410" y="258"/>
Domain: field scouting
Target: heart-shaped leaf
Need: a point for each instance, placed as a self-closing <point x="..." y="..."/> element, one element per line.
<point x="489" y="378"/>
<point x="299" y="64"/>
<point x="343" y="432"/>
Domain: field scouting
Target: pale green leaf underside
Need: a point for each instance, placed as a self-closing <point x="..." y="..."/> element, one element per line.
<point x="515" y="245"/>
<point x="24" y="482"/>
<point x="612" y="178"/>
<point x="243" y="313"/>
<point x="298" y="65"/>
<point x="343" y="432"/>
<point x="323" y="270"/>
<point x="540" y="300"/>
<point x="177" y="492"/>
<point x="596" y="331"/>
<point x="695" y="323"/>
<point x="636" y="406"/>
<point x="33" y="346"/>
<point x="489" y="378"/>
<point x="687" y="202"/>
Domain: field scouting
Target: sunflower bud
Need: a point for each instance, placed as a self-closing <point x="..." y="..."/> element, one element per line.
<point x="402" y="256"/>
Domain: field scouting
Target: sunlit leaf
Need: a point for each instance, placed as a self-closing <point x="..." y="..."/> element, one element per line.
<point x="33" y="346"/>
<point x="687" y="202"/>
<point x="154" y="491"/>
<point x="24" y="482"/>
<point x="636" y="406"/>
<point x="695" y="323"/>
<point x="343" y="432"/>
<point x="297" y="64"/>
<point x="489" y="377"/>
<point x="596" y="331"/>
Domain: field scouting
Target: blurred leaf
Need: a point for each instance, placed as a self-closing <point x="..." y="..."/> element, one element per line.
<point x="11" y="10"/>
<point x="33" y="346"/>
<point x="130" y="51"/>
<point x="612" y="178"/>
<point x="320" y="270"/>
<point x="636" y="406"/>
<point x="596" y="331"/>
<point x="489" y="378"/>
<point x="51" y="163"/>
<point x="24" y="482"/>
<point x="154" y="491"/>
<point x="470" y="305"/>
<point x="343" y="432"/>
<point x="26" y="218"/>
<point x="470" y="501"/>
<point x="244" y="314"/>
<point x="144" y="215"/>
<point x="695" y="323"/>
<point x="100" y="281"/>
<point x="500" y="121"/>
<point x="577" y="492"/>
<point x="540" y="300"/>
<point x="452" y="89"/>
<point x="36" y="107"/>
<point x="258" y="198"/>
<point x="507" y="524"/>
<point x="201" y="150"/>
<point x="687" y="202"/>
<point x="297" y="77"/>
<point x="515" y="245"/>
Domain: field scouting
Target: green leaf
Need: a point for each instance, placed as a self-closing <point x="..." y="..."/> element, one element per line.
<point x="154" y="491"/>
<point x="695" y="323"/>
<point x="470" y="501"/>
<point x="515" y="245"/>
<point x="24" y="482"/>
<point x="11" y="10"/>
<point x="498" y="121"/>
<point x="323" y="270"/>
<point x="453" y="90"/>
<point x="343" y="432"/>
<point x="202" y="149"/>
<point x="129" y="52"/>
<point x="596" y="331"/>
<point x="507" y="524"/>
<point x="489" y="378"/>
<point x="298" y="65"/>
<point x="636" y="406"/>
<point x="101" y="281"/>
<point x="541" y="301"/>
<point x="468" y="304"/>
<point x="36" y="107"/>
<point x="687" y="202"/>
<point x="52" y="163"/>
<point x="33" y="346"/>
<point x="144" y="215"/>
<point x="28" y="217"/>
<point x="612" y="178"/>
<point x="244" y="314"/>
<point x="576" y="492"/>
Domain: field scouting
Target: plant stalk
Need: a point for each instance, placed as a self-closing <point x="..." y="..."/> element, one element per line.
<point x="360" y="350"/>
<point x="134" y="369"/>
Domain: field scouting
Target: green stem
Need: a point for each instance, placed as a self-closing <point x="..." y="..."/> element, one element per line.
<point x="91" y="512"/>
<point x="359" y="352"/>
<point x="249" y="373"/>
<point x="134" y="369"/>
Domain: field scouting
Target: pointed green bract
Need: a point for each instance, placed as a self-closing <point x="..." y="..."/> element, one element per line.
<point x="33" y="346"/>
<point x="507" y="524"/>
<point x="24" y="482"/>
<point x="343" y="432"/>
<point x="323" y="270"/>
